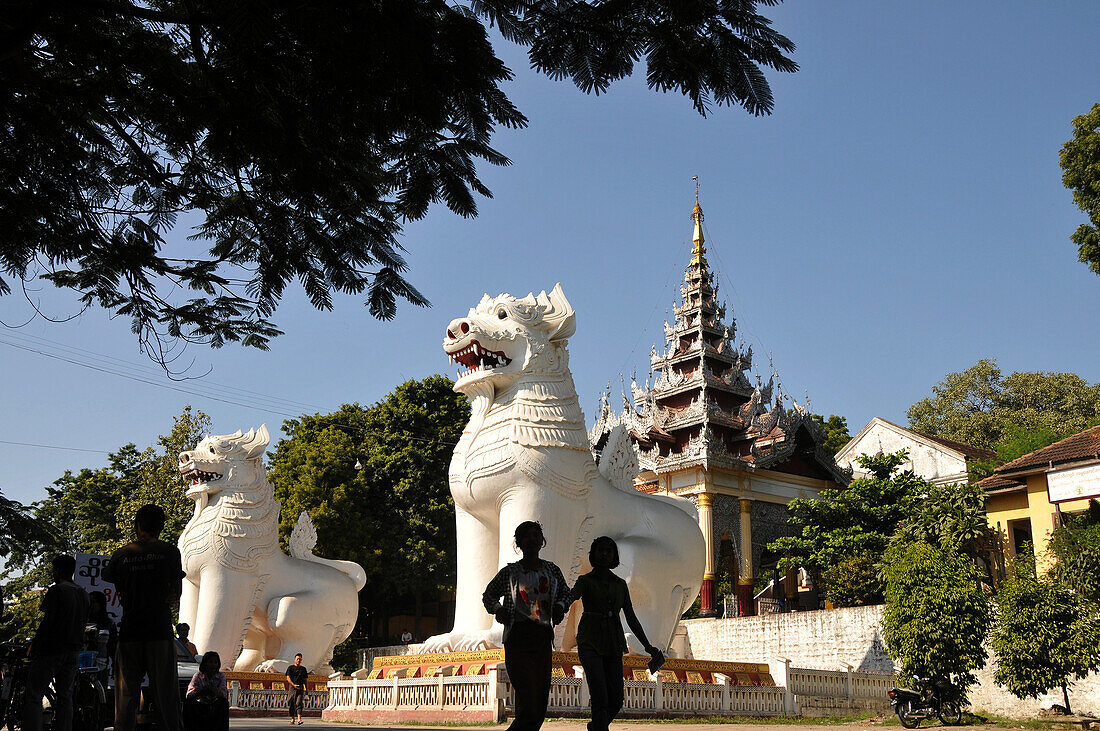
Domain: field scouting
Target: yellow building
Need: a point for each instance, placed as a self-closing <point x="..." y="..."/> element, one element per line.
<point x="1028" y="496"/>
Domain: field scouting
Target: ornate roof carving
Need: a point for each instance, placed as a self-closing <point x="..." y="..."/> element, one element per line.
<point x="702" y="409"/>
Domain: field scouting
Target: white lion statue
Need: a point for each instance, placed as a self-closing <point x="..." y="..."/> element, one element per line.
<point x="243" y="597"/>
<point x="525" y="456"/>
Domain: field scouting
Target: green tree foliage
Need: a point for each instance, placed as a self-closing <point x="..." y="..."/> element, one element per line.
<point x="1076" y="549"/>
<point x="851" y="525"/>
<point x="951" y="517"/>
<point x="301" y="136"/>
<point x="1046" y="633"/>
<point x="395" y="515"/>
<point x="836" y="431"/>
<point x="937" y="614"/>
<point x="1080" y="159"/>
<point x="160" y="481"/>
<point x="982" y="407"/>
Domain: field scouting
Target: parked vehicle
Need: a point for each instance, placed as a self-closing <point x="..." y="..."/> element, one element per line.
<point x="929" y="700"/>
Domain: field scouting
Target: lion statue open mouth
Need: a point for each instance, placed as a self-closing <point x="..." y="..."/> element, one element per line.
<point x="525" y="455"/>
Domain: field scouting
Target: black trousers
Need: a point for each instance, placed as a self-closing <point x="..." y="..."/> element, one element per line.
<point x="297" y="701"/>
<point x="212" y="716"/>
<point x="527" y="659"/>
<point x="604" y="674"/>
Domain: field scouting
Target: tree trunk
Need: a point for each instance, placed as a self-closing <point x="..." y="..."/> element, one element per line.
<point x="1065" y="697"/>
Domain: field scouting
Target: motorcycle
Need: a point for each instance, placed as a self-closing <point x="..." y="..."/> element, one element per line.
<point x="931" y="699"/>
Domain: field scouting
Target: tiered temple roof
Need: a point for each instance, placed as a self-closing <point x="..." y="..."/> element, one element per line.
<point x="702" y="409"/>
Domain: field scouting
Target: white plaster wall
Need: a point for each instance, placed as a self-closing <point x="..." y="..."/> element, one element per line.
<point x="930" y="462"/>
<point x="829" y="639"/>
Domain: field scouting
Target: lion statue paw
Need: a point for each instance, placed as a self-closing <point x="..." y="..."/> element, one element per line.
<point x="276" y="665"/>
<point x="460" y="641"/>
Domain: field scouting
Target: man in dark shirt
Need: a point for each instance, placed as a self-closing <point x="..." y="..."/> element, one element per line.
<point x="297" y="675"/>
<point x="55" y="646"/>
<point x="148" y="576"/>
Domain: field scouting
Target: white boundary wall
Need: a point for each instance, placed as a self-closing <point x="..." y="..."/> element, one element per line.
<point x="834" y="639"/>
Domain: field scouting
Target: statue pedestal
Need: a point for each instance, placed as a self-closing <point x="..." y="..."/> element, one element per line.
<point x="474" y="687"/>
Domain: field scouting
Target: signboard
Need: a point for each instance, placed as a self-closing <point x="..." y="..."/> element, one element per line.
<point x="1079" y="483"/>
<point x="89" y="575"/>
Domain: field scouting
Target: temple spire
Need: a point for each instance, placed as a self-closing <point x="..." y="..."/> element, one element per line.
<point x="698" y="251"/>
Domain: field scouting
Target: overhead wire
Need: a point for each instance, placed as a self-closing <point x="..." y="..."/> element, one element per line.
<point x="275" y="405"/>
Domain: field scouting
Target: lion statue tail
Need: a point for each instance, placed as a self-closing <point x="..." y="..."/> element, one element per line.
<point x="302" y="540"/>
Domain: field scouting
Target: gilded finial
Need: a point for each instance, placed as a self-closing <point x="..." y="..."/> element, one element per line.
<point x="698" y="251"/>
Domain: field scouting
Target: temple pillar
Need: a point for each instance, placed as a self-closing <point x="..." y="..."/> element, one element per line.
<point x="706" y="524"/>
<point x="745" y="606"/>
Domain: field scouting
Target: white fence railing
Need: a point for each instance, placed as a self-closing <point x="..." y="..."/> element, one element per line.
<point x="268" y="699"/>
<point x="493" y="692"/>
<point x="854" y="688"/>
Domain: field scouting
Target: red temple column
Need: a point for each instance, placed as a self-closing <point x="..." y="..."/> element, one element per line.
<point x="745" y="605"/>
<point x="706" y="525"/>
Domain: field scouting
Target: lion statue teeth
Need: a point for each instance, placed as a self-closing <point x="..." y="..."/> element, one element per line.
<point x="243" y="597"/>
<point x="525" y="455"/>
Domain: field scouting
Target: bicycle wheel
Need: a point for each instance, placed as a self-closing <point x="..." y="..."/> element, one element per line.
<point x="14" y="717"/>
<point x="87" y="709"/>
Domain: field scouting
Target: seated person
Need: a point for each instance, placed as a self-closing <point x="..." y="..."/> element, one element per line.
<point x="182" y="630"/>
<point x="206" y="706"/>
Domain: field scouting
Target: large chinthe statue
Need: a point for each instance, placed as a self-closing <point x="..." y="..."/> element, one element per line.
<point x="525" y="455"/>
<point x="243" y="597"/>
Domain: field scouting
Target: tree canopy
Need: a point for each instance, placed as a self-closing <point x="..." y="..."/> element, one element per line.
<point x="1080" y="159"/>
<point x="984" y="408"/>
<point x="297" y="138"/>
<point x="393" y="513"/>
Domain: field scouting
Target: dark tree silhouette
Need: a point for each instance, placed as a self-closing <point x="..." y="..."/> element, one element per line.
<point x="301" y="136"/>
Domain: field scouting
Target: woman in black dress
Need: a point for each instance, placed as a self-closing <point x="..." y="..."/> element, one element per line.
<point x="600" y="639"/>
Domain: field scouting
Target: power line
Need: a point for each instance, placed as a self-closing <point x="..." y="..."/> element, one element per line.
<point x="54" y="446"/>
<point x="195" y="392"/>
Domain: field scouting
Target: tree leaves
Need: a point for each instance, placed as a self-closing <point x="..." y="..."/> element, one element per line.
<point x="305" y="135"/>
<point x="1045" y="634"/>
<point x="982" y="407"/>
<point x="394" y="514"/>
<point x="1080" y="160"/>
<point x="936" y="615"/>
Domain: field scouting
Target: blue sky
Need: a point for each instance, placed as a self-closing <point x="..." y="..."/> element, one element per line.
<point x="898" y="217"/>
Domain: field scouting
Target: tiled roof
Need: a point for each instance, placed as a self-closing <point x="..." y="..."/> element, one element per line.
<point x="998" y="483"/>
<point x="1083" y="445"/>
<point x="970" y="452"/>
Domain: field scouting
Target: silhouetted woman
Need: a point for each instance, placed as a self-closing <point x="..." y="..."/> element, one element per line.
<point x="206" y="706"/>
<point x="534" y="596"/>
<point x="600" y="639"/>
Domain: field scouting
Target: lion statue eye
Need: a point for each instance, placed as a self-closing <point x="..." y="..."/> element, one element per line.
<point x="212" y="451"/>
<point x="501" y="314"/>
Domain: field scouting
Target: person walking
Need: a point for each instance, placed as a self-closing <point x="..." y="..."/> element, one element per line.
<point x="148" y="577"/>
<point x="55" y="647"/>
<point x="600" y="639"/>
<point x="297" y="676"/>
<point x="534" y="594"/>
